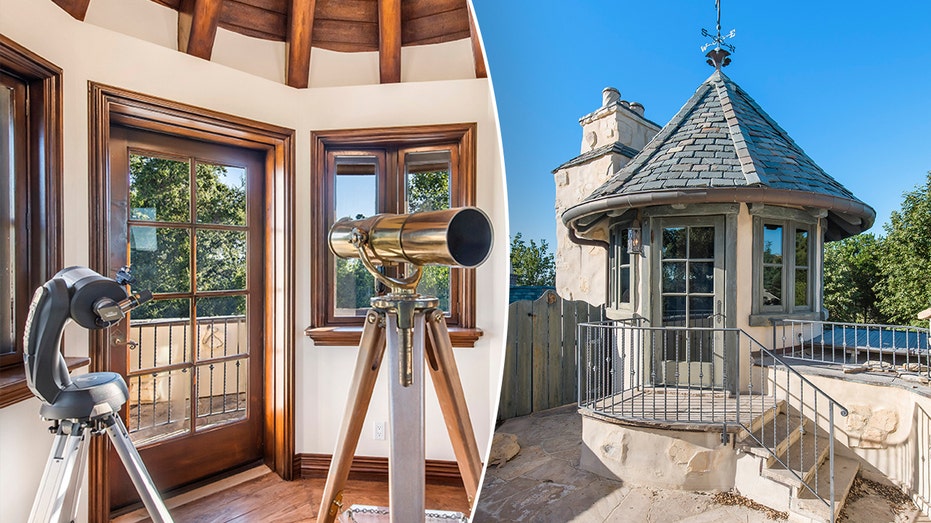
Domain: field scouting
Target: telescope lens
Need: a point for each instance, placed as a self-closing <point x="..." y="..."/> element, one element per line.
<point x="469" y="237"/>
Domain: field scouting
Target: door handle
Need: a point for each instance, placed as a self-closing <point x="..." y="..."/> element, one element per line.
<point x="718" y="315"/>
<point x="119" y="340"/>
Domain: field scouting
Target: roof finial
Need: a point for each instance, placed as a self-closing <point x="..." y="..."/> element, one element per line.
<point x="718" y="57"/>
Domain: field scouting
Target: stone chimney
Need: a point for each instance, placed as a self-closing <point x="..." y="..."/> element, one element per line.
<point x="611" y="135"/>
<point x="617" y="120"/>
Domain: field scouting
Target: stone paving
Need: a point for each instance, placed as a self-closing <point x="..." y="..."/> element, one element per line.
<point x="544" y="483"/>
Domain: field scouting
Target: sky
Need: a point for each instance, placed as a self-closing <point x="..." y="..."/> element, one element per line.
<point x="850" y="81"/>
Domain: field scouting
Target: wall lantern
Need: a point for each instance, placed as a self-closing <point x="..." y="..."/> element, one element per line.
<point x="634" y="245"/>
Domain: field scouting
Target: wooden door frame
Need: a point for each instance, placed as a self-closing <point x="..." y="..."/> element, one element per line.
<point x="111" y="105"/>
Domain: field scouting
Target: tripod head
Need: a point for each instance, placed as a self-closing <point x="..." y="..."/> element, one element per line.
<point x="79" y="294"/>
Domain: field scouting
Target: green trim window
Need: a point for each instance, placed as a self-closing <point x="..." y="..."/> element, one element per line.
<point x="620" y="274"/>
<point x="783" y="259"/>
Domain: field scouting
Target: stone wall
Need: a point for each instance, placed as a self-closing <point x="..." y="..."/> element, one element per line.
<point x="672" y="459"/>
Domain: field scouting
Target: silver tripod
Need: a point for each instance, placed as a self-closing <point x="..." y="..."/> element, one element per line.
<point x="88" y="404"/>
<point x="60" y="489"/>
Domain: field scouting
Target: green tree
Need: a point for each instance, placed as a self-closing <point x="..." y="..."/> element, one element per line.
<point x="851" y="275"/>
<point x="532" y="264"/>
<point x="905" y="263"/>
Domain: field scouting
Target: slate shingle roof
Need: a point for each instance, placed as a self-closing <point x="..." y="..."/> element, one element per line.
<point x="616" y="147"/>
<point x="721" y="138"/>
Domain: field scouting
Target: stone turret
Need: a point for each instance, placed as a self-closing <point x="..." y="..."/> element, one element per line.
<point x="611" y="135"/>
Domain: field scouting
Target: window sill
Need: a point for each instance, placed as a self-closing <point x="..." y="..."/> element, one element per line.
<point x="350" y="336"/>
<point x="13" y="388"/>
<point x="767" y="319"/>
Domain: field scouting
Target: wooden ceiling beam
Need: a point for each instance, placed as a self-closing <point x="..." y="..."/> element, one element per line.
<point x="75" y="8"/>
<point x="197" y="26"/>
<point x="300" y="38"/>
<point x="389" y="40"/>
<point x="477" y="55"/>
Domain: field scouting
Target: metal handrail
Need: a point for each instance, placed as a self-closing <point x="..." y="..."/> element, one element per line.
<point x="913" y="350"/>
<point x="619" y="379"/>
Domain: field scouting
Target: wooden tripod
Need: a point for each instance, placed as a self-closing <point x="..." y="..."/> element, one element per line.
<point x="407" y="352"/>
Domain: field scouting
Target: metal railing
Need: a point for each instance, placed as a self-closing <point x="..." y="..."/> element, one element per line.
<point x="880" y="347"/>
<point x="718" y="377"/>
<point x="162" y="355"/>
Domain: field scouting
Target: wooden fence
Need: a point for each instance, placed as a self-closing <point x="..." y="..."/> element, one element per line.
<point x="540" y="365"/>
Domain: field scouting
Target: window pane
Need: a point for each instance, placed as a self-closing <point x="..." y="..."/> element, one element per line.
<point x="221" y="391"/>
<point x="7" y="223"/>
<point x="801" y="248"/>
<point x="772" y="243"/>
<point x="221" y="327"/>
<point x="625" y="285"/>
<point x="163" y="336"/>
<point x="160" y="258"/>
<point x="356" y="186"/>
<point x="674" y="314"/>
<point x="674" y="240"/>
<point x="221" y="260"/>
<point x="772" y="285"/>
<point x="159" y="189"/>
<point x="801" y="287"/>
<point x="221" y="194"/>
<point x="673" y="276"/>
<point x="354" y="288"/>
<point x="427" y="183"/>
<point x="701" y="242"/>
<point x="701" y="277"/>
<point x="701" y="308"/>
<point x="625" y="256"/>
<point x="159" y="405"/>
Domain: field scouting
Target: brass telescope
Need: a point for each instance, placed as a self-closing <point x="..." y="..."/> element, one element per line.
<point x="458" y="237"/>
<point x="399" y="323"/>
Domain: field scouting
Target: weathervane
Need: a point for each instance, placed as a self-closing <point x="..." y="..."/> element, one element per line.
<point x="718" y="57"/>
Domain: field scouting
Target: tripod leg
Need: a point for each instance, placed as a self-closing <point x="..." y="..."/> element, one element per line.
<point x="448" y="386"/>
<point x="371" y="350"/>
<point x="132" y="462"/>
<point x="58" y="480"/>
<point x="77" y="476"/>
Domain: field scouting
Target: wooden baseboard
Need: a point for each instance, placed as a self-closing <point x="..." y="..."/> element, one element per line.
<point x="370" y="468"/>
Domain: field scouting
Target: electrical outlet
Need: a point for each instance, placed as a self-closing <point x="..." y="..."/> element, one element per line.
<point x="379" y="432"/>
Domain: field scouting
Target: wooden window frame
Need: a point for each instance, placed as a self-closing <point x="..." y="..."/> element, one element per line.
<point x="326" y="330"/>
<point x="40" y="174"/>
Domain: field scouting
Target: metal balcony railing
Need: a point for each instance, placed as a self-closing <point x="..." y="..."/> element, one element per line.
<point x="163" y="357"/>
<point x="718" y="377"/>
<point x="883" y="347"/>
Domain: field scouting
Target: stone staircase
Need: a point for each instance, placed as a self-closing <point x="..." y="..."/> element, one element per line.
<point x="784" y="464"/>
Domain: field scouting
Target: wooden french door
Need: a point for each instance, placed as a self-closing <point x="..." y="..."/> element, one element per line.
<point x="688" y="291"/>
<point x="188" y="216"/>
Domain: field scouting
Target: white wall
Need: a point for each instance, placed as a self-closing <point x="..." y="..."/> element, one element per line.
<point x="87" y="52"/>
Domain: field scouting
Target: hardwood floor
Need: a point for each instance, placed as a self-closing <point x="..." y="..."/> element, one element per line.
<point x="264" y="497"/>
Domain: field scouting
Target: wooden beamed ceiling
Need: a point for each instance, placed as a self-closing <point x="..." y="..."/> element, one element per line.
<point x="337" y="25"/>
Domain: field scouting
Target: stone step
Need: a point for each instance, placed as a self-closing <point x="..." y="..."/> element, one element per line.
<point x="798" y="463"/>
<point x="761" y="420"/>
<point x="778" y="433"/>
<point x="806" y="504"/>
